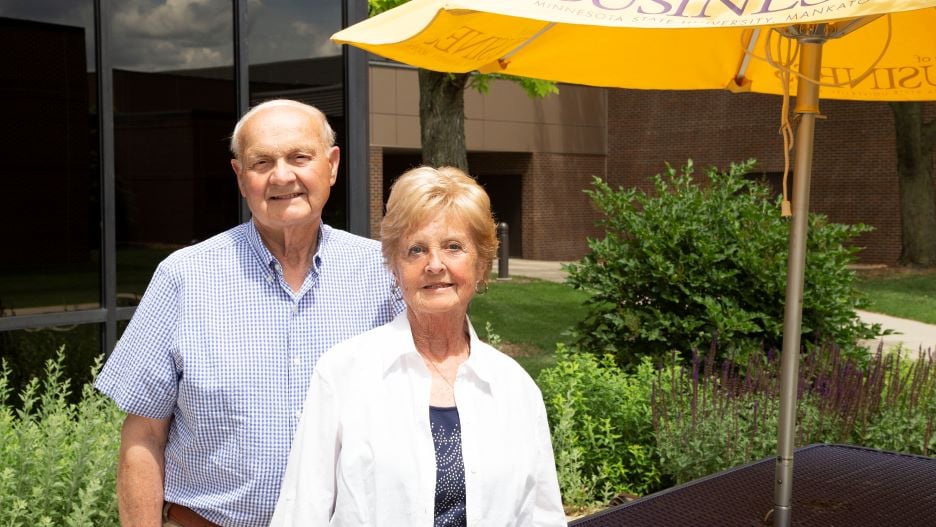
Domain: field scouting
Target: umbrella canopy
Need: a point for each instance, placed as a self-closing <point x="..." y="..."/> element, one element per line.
<point x="883" y="50"/>
<point x="705" y="44"/>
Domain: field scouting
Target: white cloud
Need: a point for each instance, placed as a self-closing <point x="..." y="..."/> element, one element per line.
<point x="161" y="35"/>
<point x="293" y="29"/>
<point x="153" y="35"/>
<point x="185" y="20"/>
<point x="316" y="39"/>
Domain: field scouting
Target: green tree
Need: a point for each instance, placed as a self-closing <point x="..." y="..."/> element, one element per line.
<point x="916" y="140"/>
<point x="442" y="104"/>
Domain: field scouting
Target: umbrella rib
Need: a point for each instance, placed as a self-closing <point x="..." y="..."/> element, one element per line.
<point x="847" y="27"/>
<point x="503" y="61"/>
<point x="748" y="51"/>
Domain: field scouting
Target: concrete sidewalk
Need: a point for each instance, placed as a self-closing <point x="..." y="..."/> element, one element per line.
<point x="914" y="336"/>
<point x="911" y="334"/>
<point x="551" y="271"/>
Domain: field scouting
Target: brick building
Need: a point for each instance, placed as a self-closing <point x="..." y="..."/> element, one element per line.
<point x="854" y="176"/>
<point x="536" y="156"/>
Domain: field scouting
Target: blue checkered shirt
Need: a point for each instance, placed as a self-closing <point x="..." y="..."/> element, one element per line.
<point x="221" y="344"/>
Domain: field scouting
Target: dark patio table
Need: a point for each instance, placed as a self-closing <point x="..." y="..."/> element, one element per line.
<point x="833" y="485"/>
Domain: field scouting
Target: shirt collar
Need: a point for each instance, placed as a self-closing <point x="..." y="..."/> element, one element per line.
<point x="401" y="339"/>
<point x="259" y="248"/>
<point x="481" y="359"/>
<point x="325" y="233"/>
<point x="266" y="257"/>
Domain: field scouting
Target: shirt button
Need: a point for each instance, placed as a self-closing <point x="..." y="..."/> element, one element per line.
<point x="298" y="414"/>
<point x="296" y="361"/>
<point x="279" y="268"/>
<point x="269" y="278"/>
<point x="295" y="308"/>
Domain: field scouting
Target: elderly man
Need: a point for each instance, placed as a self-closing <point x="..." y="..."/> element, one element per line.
<point x="214" y="366"/>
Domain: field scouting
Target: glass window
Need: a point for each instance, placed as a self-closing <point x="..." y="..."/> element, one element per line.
<point x="49" y="180"/>
<point x="174" y="110"/>
<point x="173" y="101"/>
<point x="292" y="57"/>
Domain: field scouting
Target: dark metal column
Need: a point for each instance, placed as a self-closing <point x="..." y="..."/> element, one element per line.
<point x="503" y="251"/>
<point x="105" y="105"/>
<point x="355" y="153"/>
<point x="241" y="77"/>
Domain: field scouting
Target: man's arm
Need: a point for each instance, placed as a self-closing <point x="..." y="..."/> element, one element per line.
<point x="140" y="471"/>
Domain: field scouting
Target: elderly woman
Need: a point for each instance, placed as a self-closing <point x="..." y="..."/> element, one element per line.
<point x="419" y="423"/>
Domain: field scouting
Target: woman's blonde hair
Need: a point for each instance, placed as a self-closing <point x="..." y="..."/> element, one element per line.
<point x="422" y="192"/>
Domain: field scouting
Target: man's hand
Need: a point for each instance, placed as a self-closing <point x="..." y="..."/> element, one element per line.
<point x="140" y="471"/>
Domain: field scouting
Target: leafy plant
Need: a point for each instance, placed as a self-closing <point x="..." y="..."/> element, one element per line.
<point x="708" y="419"/>
<point x="26" y="352"/>
<point x="601" y="429"/>
<point x="889" y="404"/>
<point x="704" y="260"/>
<point x="492" y="337"/>
<point x="58" y="458"/>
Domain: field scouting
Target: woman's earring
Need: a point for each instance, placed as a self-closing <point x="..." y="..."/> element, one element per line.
<point x="397" y="290"/>
<point x="481" y="287"/>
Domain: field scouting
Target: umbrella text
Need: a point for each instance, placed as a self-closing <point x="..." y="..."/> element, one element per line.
<point x="709" y="9"/>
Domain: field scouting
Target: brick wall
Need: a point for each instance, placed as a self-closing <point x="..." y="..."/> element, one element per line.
<point x="375" y="183"/>
<point x="556" y="215"/>
<point x="560" y="213"/>
<point x="648" y="128"/>
<point x="854" y="176"/>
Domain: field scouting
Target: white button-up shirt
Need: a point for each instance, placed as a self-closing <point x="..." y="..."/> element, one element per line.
<point x="363" y="454"/>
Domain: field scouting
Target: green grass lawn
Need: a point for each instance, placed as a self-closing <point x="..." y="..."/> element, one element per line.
<point x="530" y="317"/>
<point x="903" y="293"/>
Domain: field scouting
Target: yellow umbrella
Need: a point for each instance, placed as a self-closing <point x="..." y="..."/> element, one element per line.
<point x="619" y="43"/>
<point x="882" y="50"/>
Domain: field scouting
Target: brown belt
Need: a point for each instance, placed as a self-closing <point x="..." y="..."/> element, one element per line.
<point x="185" y="516"/>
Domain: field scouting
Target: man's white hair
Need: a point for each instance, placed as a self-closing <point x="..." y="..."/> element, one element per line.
<point x="327" y="135"/>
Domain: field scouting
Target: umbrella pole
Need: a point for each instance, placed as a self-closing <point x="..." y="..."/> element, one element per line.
<point x="807" y="106"/>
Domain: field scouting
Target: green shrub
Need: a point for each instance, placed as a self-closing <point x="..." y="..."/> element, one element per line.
<point x="601" y="429"/>
<point x="58" y="458"/>
<point x="701" y="261"/>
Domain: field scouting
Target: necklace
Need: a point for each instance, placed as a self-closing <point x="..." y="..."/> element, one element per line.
<point x="435" y="367"/>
